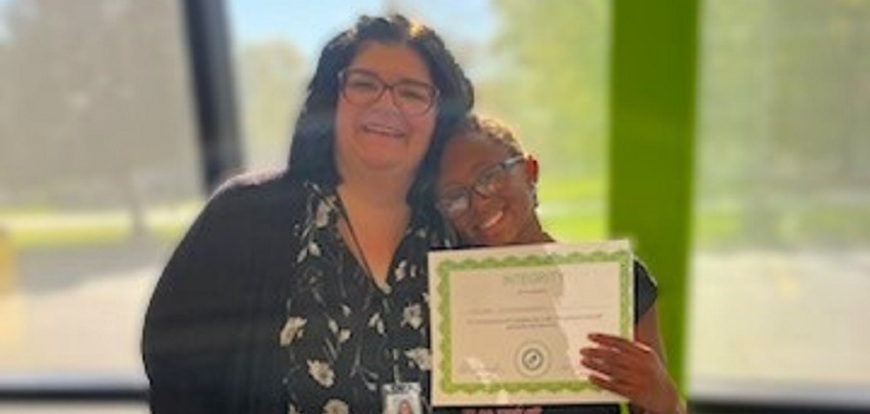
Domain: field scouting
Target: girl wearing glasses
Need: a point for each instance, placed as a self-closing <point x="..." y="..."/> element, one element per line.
<point x="303" y="291"/>
<point x="486" y="189"/>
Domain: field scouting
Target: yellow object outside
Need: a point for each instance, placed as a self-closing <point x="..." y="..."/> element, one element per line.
<point x="11" y="306"/>
<point x="7" y="276"/>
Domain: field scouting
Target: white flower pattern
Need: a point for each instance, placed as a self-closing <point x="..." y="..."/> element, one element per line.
<point x="357" y="335"/>
<point x="322" y="215"/>
<point x="377" y="323"/>
<point x="421" y="356"/>
<point x="314" y="249"/>
<point x="322" y="373"/>
<point x="292" y="329"/>
<point x="401" y="270"/>
<point x="334" y="406"/>
<point x="413" y="316"/>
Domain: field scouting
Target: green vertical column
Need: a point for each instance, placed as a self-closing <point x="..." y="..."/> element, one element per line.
<point x="653" y="66"/>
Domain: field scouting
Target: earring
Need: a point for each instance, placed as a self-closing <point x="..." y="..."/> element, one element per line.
<point x="535" y="194"/>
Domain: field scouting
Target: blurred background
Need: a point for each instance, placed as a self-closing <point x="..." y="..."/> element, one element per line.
<point x="117" y="118"/>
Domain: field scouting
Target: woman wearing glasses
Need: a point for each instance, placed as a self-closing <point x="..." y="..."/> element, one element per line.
<point x="486" y="188"/>
<point x="303" y="291"/>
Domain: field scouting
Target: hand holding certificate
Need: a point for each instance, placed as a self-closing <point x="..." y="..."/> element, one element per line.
<point x="508" y="322"/>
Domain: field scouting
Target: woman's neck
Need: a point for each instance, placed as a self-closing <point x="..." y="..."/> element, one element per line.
<point x="373" y="196"/>
<point x="376" y="216"/>
<point x="387" y="189"/>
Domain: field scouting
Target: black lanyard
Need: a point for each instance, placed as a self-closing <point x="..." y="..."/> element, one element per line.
<point x="354" y="239"/>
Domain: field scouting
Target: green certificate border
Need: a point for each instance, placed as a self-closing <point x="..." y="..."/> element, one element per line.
<point x="445" y="270"/>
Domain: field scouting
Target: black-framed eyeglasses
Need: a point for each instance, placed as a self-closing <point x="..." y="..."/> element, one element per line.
<point x="361" y="87"/>
<point x="457" y="201"/>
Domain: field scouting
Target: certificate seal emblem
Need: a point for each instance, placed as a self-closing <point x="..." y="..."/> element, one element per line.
<point x="532" y="359"/>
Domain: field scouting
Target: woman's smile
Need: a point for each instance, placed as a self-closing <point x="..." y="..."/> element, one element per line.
<point x="381" y="129"/>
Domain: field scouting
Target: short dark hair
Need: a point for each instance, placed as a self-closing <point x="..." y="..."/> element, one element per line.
<point x="312" y="147"/>
<point x="483" y="126"/>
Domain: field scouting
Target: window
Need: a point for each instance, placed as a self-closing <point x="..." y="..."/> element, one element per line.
<point x="100" y="176"/>
<point x="782" y="236"/>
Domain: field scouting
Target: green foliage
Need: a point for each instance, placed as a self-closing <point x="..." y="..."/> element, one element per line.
<point x="272" y="85"/>
<point x="76" y="96"/>
<point x="783" y="90"/>
<point x="551" y="82"/>
<point x="78" y="237"/>
<point x="35" y="228"/>
<point x="801" y="224"/>
<point x="551" y="86"/>
<point x="575" y="228"/>
<point x="271" y="75"/>
<point x="573" y="209"/>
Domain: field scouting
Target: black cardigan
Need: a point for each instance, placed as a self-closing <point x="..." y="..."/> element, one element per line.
<point x="209" y="343"/>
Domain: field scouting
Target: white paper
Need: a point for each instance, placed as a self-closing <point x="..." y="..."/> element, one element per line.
<point x="508" y="322"/>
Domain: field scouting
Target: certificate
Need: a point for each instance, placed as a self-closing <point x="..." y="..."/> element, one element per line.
<point x="508" y="322"/>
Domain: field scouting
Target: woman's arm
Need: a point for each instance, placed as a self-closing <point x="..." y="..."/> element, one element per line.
<point x="192" y="318"/>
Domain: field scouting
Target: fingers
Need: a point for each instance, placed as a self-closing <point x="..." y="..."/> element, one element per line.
<point x="619" y="342"/>
<point x="606" y="358"/>
<point x="601" y="365"/>
<point x="611" y="385"/>
<point x="616" y="369"/>
<point x="628" y="368"/>
<point x="630" y="352"/>
<point x="608" y="340"/>
<point x="618" y="364"/>
<point x="615" y="379"/>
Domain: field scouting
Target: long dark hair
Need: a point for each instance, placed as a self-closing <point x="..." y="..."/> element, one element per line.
<point x="312" y="147"/>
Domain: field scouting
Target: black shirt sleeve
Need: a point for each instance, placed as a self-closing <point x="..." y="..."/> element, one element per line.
<point x="645" y="290"/>
<point x="187" y="336"/>
<point x="209" y="333"/>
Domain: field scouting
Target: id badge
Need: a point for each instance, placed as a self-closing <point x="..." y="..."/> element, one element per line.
<point x="402" y="398"/>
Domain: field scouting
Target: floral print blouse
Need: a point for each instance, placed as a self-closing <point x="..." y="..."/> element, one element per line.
<point x="344" y="335"/>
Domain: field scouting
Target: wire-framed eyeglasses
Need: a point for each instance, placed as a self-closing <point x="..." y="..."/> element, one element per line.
<point x="457" y="201"/>
<point x="361" y="87"/>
